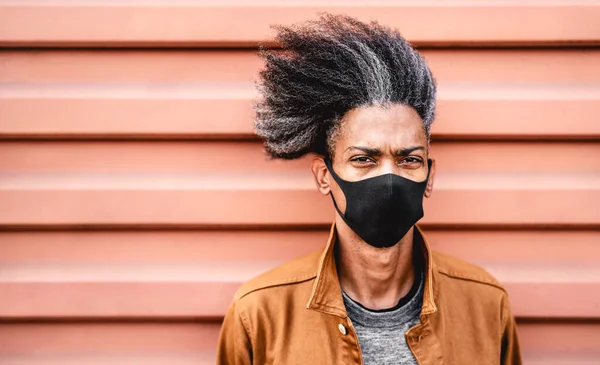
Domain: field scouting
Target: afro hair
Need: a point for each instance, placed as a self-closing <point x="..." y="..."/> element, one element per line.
<point x="327" y="67"/>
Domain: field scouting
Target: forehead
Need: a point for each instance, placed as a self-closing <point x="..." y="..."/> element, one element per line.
<point x="392" y="125"/>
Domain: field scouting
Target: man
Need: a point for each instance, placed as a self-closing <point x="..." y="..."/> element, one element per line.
<point x="361" y="100"/>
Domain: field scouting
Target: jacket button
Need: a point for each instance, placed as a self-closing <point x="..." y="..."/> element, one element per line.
<point x="342" y="329"/>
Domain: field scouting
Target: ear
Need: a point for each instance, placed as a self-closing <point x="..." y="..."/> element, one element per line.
<point x="429" y="188"/>
<point x="320" y="172"/>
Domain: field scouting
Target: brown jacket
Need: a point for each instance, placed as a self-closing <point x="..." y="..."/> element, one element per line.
<point x="295" y="315"/>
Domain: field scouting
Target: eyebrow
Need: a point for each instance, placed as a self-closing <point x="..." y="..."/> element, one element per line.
<point x="367" y="150"/>
<point x="377" y="152"/>
<point x="409" y="150"/>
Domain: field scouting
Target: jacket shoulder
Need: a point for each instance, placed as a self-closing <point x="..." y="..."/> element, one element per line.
<point x="292" y="272"/>
<point x="455" y="268"/>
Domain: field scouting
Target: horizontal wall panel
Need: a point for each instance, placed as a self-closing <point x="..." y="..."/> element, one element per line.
<point x="108" y="343"/>
<point x="116" y="358"/>
<point x="166" y="23"/>
<point x="183" y="200"/>
<point x="129" y="66"/>
<point x="230" y="157"/>
<point x="168" y="247"/>
<point x="560" y="343"/>
<point x="192" y="114"/>
<point x="541" y="247"/>
<point x="468" y="110"/>
<point x="518" y="65"/>
<point x="127" y="269"/>
<point x="162" y="299"/>
<point x="173" y="247"/>
<point x="205" y="289"/>
<point x="98" y="156"/>
<point x="567" y="358"/>
<point x="222" y="66"/>
<point x="184" y="343"/>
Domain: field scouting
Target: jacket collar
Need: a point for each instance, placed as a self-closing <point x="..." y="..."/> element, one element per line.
<point x="326" y="294"/>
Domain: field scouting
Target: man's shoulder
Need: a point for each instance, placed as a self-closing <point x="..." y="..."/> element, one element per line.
<point x="293" y="272"/>
<point x="457" y="269"/>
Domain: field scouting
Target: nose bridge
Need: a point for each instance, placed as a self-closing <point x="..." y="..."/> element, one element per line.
<point x="388" y="166"/>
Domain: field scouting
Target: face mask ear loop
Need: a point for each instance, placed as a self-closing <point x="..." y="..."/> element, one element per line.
<point x="336" y="178"/>
<point x="336" y="207"/>
<point x="429" y="164"/>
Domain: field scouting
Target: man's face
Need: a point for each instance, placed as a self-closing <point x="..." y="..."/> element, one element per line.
<point x="377" y="140"/>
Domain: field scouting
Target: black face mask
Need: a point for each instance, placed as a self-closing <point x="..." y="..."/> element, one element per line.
<point x="381" y="209"/>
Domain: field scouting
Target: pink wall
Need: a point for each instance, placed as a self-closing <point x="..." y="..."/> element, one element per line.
<point x="134" y="199"/>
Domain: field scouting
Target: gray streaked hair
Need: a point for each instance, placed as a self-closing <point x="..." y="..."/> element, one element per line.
<point x="327" y="67"/>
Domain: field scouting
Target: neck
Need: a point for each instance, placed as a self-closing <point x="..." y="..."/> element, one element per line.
<point x="375" y="277"/>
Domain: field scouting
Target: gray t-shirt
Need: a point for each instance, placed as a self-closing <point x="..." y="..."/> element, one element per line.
<point x="381" y="334"/>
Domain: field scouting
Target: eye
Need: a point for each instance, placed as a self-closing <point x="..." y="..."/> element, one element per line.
<point x="362" y="160"/>
<point x="411" y="161"/>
